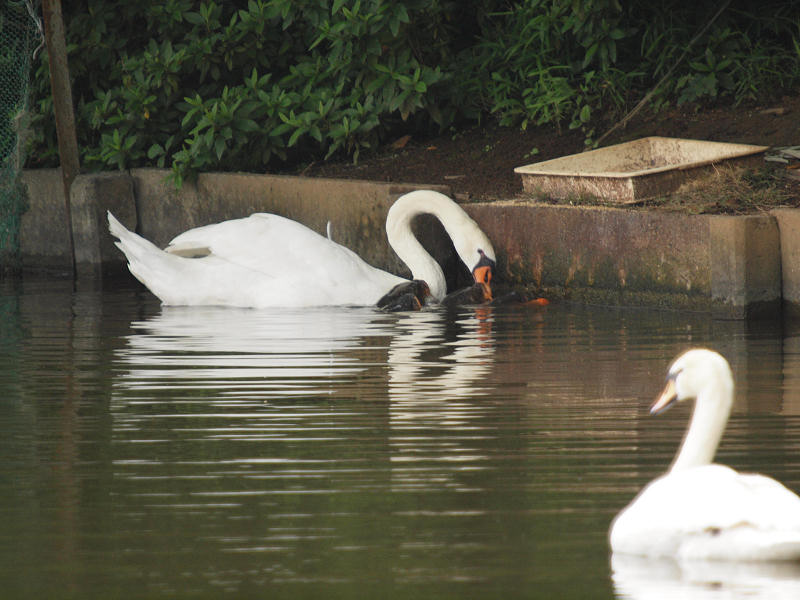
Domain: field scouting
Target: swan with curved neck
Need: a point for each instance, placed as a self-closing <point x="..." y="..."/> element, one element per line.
<point x="701" y="510"/>
<point x="706" y="376"/>
<point x="471" y="244"/>
<point x="266" y="260"/>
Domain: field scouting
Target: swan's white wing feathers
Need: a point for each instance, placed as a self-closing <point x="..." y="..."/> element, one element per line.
<point x="261" y="242"/>
<point x="711" y="512"/>
<point x="259" y="261"/>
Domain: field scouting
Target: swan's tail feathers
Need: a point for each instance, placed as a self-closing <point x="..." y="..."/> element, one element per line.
<point x="117" y="229"/>
<point x="147" y="262"/>
<point x="134" y="246"/>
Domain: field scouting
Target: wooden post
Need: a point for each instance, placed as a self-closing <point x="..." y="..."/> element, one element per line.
<point x="62" y="105"/>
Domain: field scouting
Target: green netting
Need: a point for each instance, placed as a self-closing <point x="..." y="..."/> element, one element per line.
<point x="19" y="36"/>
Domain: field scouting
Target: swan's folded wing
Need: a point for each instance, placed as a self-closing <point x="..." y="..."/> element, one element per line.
<point x="710" y="512"/>
<point x="784" y="505"/>
<point x="266" y="243"/>
<point x="716" y="496"/>
<point x="289" y="253"/>
<point x="254" y="239"/>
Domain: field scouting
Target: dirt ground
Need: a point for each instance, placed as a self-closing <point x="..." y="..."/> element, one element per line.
<point x="478" y="164"/>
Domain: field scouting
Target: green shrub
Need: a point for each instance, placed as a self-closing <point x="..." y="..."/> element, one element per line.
<point x="232" y="85"/>
<point x="563" y="61"/>
<point x="251" y="85"/>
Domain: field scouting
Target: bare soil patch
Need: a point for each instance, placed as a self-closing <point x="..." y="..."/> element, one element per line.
<point x="478" y="163"/>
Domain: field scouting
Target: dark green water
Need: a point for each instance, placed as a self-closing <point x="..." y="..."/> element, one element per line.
<point x="345" y="453"/>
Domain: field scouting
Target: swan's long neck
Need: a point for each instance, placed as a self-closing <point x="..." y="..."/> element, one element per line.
<point x="459" y="226"/>
<point x="711" y="411"/>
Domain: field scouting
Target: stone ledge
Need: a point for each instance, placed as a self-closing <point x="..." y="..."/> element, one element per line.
<point x="788" y="220"/>
<point x="90" y="197"/>
<point x="43" y="237"/>
<point x="729" y="266"/>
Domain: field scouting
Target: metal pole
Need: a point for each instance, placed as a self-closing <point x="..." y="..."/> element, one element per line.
<point x="62" y="105"/>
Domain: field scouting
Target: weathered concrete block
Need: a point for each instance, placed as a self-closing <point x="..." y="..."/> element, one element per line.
<point x="726" y="265"/>
<point x="91" y="196"/>
<point x="44" y="237"/>
<point x="789" y="227"/>
<point x="601" y="255"/>
<point x="745" y="264"/>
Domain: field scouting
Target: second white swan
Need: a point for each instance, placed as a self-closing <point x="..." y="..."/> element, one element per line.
<point x="704" y="511"/>
<point x="265" y="260"/>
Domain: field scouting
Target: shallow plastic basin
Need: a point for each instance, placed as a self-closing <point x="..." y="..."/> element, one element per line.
<point x="633" y="171"/>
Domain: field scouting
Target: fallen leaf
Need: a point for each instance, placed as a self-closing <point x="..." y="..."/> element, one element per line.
<point x="401" y="142"/>
<point x="538" y="302"/>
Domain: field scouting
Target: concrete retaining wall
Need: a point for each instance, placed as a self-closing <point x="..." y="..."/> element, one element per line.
<point x="43" y="237"/>
<point x="730" y="266"/>
<point x="788" y="221"/>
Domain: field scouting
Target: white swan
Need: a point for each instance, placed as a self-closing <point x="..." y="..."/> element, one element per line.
<point x="700" y="510"/>
<point x="266" y="260"/>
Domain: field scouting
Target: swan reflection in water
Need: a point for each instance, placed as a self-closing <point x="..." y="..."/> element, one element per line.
<point x="438" y="364"/>
<point x="436" y="354"/>
<point x="431" y="364"/>
<point x="287" y="352"/>
<point x="435" y="360"/>
<point x="640" y="578"/>
<point x="428" y="355"/>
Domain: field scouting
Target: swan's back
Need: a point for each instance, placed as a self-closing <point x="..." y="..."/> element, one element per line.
<point x="262" y="260"/>
<point x="711" y="513"/>
<point x="252" y="240"/>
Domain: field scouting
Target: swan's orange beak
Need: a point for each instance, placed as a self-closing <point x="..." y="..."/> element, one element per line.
<point x="482" y="273"/>
<point x="667" y="397"/>
<point x="483" y="277"/>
